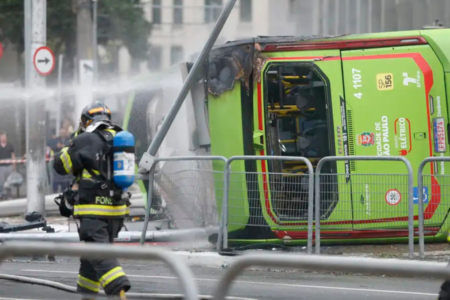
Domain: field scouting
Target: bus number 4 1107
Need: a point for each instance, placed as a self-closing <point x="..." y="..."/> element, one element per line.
<point x="357" y="82"/>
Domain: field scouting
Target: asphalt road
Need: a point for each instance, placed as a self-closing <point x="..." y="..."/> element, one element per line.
<point x="257" y="284"/>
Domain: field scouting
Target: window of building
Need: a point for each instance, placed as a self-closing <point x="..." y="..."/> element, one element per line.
<point x="213" y="8"/>
<point x="176" y="54"/>
<point x="155" y="59"/>
<point x="156" y="12"/>
<point x="246" y="11"/>
<point x="178" y="11"/>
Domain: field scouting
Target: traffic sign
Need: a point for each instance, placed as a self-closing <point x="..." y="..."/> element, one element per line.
<point x="44" y="61"/>
<point x="1" y="50"/>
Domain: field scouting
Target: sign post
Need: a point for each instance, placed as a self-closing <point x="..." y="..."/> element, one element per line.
<point x="38" y="62"/>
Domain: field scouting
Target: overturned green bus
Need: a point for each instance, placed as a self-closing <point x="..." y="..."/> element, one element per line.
<point x="376" y="94"/>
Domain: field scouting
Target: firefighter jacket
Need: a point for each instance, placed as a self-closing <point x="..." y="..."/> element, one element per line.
<point x="75" y="134"/>
<point x="88" y="157"/>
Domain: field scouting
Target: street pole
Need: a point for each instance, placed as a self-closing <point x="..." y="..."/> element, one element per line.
<point x="325" y="16"/>
<point x="358" y="16"/>
<point x="347" y="16"/>
<point x="148" y="158"/>
<point x="58" y="110"/>
<point x="35" y="37"/>
<point x="337" y="14"/>
<point x="316" y="17"/>
<point x="94" y="38"/>
<point x="85" y="54"/>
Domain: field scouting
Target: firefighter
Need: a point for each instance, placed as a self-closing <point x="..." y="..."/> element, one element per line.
<point x="95" y="199"/>
<point x="444" y="293"/>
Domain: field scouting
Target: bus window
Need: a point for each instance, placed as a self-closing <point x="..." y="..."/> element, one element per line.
<point x="296" y="116"/>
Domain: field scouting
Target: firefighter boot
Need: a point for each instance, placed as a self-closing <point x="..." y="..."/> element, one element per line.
<point x="121" y="296"/>
<point x="443" y="295"/>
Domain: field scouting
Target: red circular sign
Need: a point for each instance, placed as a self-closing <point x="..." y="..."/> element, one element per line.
<point x="44" y="60"/>
<point x="1" y="50"/>
<point x="393" y="197"/>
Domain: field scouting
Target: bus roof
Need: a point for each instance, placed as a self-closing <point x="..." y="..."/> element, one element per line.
<point x="239" y="56"/>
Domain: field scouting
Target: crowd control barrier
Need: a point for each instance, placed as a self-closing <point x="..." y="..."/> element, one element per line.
<point x="285" y="192"/>
<point x="174" y="263"/>
<point x="330" y="264"/>
<point x="200" y="188"/>
<point x="437" y="185"/>
<point x="382" y="182"/>
<point x="190" y="193"/>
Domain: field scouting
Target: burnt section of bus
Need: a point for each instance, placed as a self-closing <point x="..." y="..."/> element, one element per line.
<point x="237" y="61"/>
<point x="228" y="65"/>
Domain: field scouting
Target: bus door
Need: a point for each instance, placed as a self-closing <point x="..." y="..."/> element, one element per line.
<point x="296" y="102"/>
<point x="396" y="96"/>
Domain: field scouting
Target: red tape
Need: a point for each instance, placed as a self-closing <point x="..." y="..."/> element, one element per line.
<point x="17" y="161"/>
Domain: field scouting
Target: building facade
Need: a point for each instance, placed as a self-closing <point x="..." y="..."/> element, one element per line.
<point x="181" y="27"/>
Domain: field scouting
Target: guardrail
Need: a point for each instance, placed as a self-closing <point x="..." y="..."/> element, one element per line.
<point x="175" y="264"/>
<point x="366" y="158"/>
<point x="169" y="182"/>
<point x="223" y="234"/>
<point x="329" y="263"/>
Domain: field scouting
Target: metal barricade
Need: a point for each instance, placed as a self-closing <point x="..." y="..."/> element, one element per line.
<point x="330" y="264"/>
<point x="174" y="263"/>
<point x="336" y="189"/>
<point x="185" y="194"/>
<point x="435" y="187"/>
<point x="288" y="198"/>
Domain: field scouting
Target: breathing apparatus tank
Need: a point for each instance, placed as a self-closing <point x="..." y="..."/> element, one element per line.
<point x="124" y="159"/>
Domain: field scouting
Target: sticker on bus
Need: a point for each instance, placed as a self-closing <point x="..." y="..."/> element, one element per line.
<point x="393" y="197"/>
<point x="424" y="197"/>
<point x="440" y="141"/>
<point x="385" y="82"/>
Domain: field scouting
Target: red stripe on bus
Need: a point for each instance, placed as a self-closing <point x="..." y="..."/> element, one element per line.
<point x="354" y="234"/>
<point x="322" y="58"/>
<point x="262" y="153"/>
<point x="346" y="44"/>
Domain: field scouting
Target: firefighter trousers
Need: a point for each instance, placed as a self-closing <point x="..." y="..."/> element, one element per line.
<point x="96" y="273"/>
<point x="444" y="293"/>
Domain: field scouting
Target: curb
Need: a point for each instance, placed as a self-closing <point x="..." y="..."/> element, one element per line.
<point x="214" y="260"/>
<point x="205" y="259"/>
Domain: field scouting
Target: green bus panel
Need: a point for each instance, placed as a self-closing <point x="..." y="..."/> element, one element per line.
<point x="225" y="126"/>
<point x="389" y="92"/>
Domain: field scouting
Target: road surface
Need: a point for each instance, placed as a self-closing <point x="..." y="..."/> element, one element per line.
<point x="154" y="277"/>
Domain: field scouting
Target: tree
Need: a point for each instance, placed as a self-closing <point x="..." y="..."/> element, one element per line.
<point x="119" y="21"/>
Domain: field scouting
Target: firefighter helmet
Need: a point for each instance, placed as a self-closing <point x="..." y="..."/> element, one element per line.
<point x="95" y="111"/>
